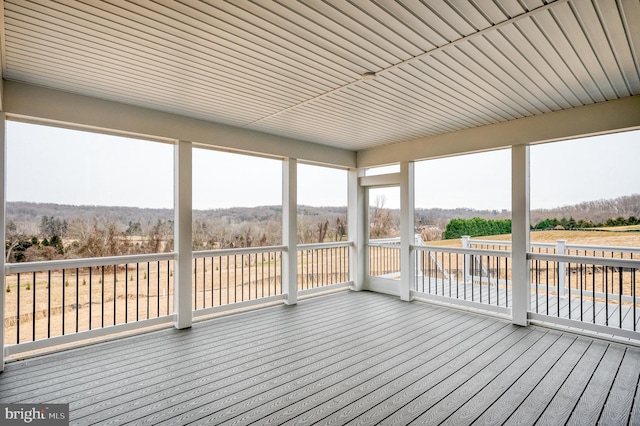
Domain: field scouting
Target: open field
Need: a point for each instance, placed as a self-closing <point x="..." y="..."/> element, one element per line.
<point x="602" y="238"/>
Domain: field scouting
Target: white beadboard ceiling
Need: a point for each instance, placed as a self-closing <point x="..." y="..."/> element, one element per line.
<point x="293" y="68"/>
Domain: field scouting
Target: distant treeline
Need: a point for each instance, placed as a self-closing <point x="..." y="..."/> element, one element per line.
<point x="571" y="223"/>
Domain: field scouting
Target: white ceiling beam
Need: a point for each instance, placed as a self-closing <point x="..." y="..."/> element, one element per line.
<point x="605" y="117"/>
<point x="38" y="104"/>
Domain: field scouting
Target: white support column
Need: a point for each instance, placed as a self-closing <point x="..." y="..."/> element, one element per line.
<point x="290" y="230"/>
<point x="357" y="227"/>
<point x="407" y="230"/>
<point x="3" y="211"/>
<point x="520" y="233"/>
<point x="182" y="292"/>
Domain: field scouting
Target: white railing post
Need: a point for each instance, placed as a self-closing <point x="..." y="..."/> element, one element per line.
<point x="356" y="227"/>
<point x="561" y="248"/>
<point x="182" y="235"/>
<point x="520" y="223"/>
<point x="3" y="211"/>
<point x="290" y="230"/>
<point x="407" y="230"/>
<point x="466" y="268"/>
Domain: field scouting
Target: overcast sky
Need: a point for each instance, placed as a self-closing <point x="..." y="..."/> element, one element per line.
<point x="54" y="165"/>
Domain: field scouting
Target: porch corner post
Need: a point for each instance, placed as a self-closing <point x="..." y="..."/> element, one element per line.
<point x="182" y="235"/>
<point x="3" y="211"/>
<point x="356" y="227"/>
<point x="407" y="230"/>
<point x="290" y="230"/>
<point x="520" y="224"/>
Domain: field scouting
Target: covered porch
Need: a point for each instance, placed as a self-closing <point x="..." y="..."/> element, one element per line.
<point x="484" y="333"/>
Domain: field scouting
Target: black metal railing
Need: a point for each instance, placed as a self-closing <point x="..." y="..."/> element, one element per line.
<point x="225" y="277"/>
<point x="472" y="275"/>
<point x="58" y="298"/>
<point x="322" y="264"/>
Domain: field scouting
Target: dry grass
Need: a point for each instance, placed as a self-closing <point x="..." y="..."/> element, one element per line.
<point x="599" y="238"/>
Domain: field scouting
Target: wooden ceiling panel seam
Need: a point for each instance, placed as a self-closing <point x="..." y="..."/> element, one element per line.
<point x="631" y="16"/>
<point x="391" y="113"/>
<point x="425" y="13"/>
<point x="133" y="69"/>
<point x="235" y="47"/>
<point x="172" y="92"/>
<point x="537" y="67"/>
<point x="267" y="39"/>
<point x="470" y="13"/>
<point x="222" y="104"/>
<point x="529" y="59"/>
<point x="591" y="23"/>
<point x="620" y="44"/>
<point x="491" y="11"/>
<point x="46" y="31"/>
<point x="195" y="35"/>
<point x="510" y="8"/>
<point x="559" y="75"/>
<point x="308" y="30"/>
<point x="336" y="116"/>
<point x="397" y="45"/>
<point x="429" y="110"/>
<point x="487" y="55"/>
<point x="154" y="46"/>
<point x="459" y="92"/>
<point x="572" y="29"/>
<point x="412" y="36"/>
<point x="444" y="96"/>
<point x="446" y="13"/>
<point x="109" y="96"/>
<point x="392" y="54"/>
<point x="478" y="80"/>
<point x="404" y="15"/>
<point x="589" y="92"/>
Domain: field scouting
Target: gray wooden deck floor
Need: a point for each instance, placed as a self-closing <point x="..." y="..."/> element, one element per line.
<point x="347" y="358"/>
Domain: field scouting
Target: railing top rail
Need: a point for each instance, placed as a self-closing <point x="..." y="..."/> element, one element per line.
<point x="385" y="245"/>
<point x="237" y="251"/>
<point x="567" y="246"/>
<point x="491" y="242"/>
<point x="325" y="245"/>
<point x="586" y="260"/>
<point x="461" y="250"/>
<point x="378" y="241"/>
<point x="603" y="248"/>
<point x="55" y="265"/>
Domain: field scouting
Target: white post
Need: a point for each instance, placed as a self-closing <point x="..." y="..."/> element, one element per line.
<point x="466" y="267"/>
<point x="407" y="230"/>
<point x="561" y="248"/>
<point x="3" y="211"/>
<point x="290" y="230"/>
<point x="520" y="224"/>
<point x="182" y="235"/>
<point x="356" y="228"/>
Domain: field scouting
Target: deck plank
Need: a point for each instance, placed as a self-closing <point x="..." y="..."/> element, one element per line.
<point x="591" y="403"/>
<point x="620" y="401"/>
<point x="539" y="396"/>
